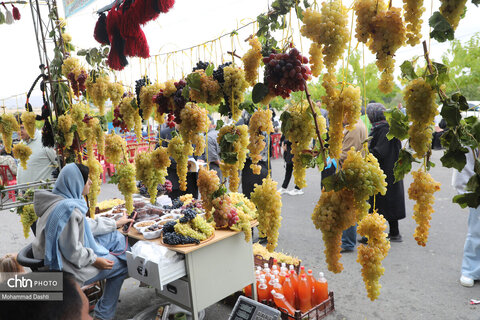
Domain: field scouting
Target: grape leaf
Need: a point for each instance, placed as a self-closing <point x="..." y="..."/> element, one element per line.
<point x="223" y="109"/>
<point x="259" y="92"/>
<point x="193" y="80"/>
<point x="307" y="159"/>
<point x="408" y="71"/>
<point x="471" y="200"/>
<point x="334" y="182"/>
<point x="476" y="2"/>
<point x="209" y="70"/>
<point x="454" y="158"/>
<point x="231" y="137"/>
<point x="451" y="113"/>
<point x="285" y="119"/>
<point x="229" y="157"/>
<point x="219" y="124"/>
<point x="398" y="124"/>
<point x="403" y="164"/>
<point x="247" y="106"/>
<point x="441" y="71"/>
<point x="441" y="28"/>
<point x="461" y="101"/>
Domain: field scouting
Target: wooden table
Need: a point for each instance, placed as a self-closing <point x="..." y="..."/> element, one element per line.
<point x="215" y="269"/>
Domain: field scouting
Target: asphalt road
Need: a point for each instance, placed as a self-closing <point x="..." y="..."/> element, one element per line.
<point x="419" y="282"/>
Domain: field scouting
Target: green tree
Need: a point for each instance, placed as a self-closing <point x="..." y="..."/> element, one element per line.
<point x="464" y="63"/>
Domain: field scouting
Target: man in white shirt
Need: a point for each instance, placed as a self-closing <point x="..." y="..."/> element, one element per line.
<point x="42" y="161"/>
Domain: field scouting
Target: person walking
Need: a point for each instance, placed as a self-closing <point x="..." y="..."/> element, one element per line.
<point x="353" y="138"/>
<point x="471" y="250"/>
<point x="288" y="157"/>
<point x="392" y="204"/>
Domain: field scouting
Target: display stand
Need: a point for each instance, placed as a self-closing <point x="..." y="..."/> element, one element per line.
<point x="215" y="270"/>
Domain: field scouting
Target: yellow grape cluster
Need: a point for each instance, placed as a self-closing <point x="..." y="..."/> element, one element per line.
<point x="413" y="18"/>
<point x="148" y="174"/>
<point x="269" y="207"/>
<point x="130" y="116"/>
<point x="207" y="183"/>
<point x="421" y="108"/>
<point x="210" y="91"/>
<point x="22" y="152"/>
<point x="194" y="122"/>
<point x="27" y="217"/>
<point x="146" y="99"/>
<point x="94" y="133"/>
<point x="71" y="64"/>
<point x="160" y="158"/>
<point x="116" y="92"/>
<point x="28" y="120"/>
<point x="364" y="178"/>
<point x="335" y="114"/>
<point x="243" y="224"/>
<point x="115" y="148"/>
<point x="251" y="61"/>
<point x="231" y="170"/>
<point x="421" y="191"/>
<point x="328" y="28"/>
<point x="370" y="256"/>
<point x="170" y="88"/>
<point x="350" y="101"/>
<point x="316" y="59"/>
<point x="258" y="249"/>
<point x="65" y="123"/>
<point x="384" y="33"/>
<point x="452" y="10"/>
<point x="126" y="174"/>
<point x="179" y="150"/>
<point x="244" y="204"/>
<point x="261" y="121"/>
<point x="300" y="133"/>
<point x="94" y="174"/>
<point x="197" y="228"/>
<point x="234" y="89"/>
<point x="98" y="90"/>
<point x="110" y="203"/>
<point x="8" y="124"/>
<point x="334" y="212"/>
<point x="78" y="112"/>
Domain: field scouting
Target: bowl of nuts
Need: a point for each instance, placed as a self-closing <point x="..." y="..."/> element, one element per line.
<point x="152" y="232"/>
<point x="140" y="226"/>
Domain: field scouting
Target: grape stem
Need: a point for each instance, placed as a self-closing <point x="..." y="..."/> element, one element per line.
<point x="442" y="94"/>
<point x="314" y="113"/>
<point x="234" y="54"/>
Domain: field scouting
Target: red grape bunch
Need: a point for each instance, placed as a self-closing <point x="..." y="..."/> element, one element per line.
<point x="286" y="72"/>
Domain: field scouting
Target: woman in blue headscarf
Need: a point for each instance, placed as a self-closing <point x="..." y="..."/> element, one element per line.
<point x="67" y="240"/>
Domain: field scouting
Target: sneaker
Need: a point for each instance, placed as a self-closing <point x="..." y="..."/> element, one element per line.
<point x="282" y="191"/>
<point x="466" y="281"/>
<point x="296" y="192"/>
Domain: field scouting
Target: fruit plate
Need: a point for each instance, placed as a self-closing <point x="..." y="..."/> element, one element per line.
<point x="187" y="245"/>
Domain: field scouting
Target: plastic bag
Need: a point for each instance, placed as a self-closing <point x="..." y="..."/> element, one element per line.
<point x="155" y="253"/>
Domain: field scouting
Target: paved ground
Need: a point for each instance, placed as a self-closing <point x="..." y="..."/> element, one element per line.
<point x="419" y="282"/>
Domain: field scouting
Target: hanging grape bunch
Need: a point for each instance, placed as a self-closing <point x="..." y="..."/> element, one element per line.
<point x="28" y="120"/>
<point x="65" y="123"/>
<point x="8" y="124"/>
<point x="115" y="148"/>
<point x="286" y="72"/>
<point x="234" y="89"/>
<point x="261" y="121"/>
<point x="208" y="182"/>
<point x="194" y="123"/>
<point x="22" y="152"/>
<point x="251" y="61"/>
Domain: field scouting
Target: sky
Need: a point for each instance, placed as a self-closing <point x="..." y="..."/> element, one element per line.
<point x="189" y="23"/>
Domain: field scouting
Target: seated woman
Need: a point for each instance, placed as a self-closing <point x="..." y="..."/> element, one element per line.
<point x="67" y="240"/>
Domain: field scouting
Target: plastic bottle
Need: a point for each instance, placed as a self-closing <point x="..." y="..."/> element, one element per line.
<point x="284" y="267"/>
<point x="269" y="283"/>
<point x="277" y="286"/>
<point x="262" y="291"/>
<point x="276" y="273"/>
<point x="268" y="276"/>
<point x="304" y="294"/>
<point x="288" y="290"/>
<point x="257" y="274"/>
<point x="311" y="282"/>
<point x="321" y="289"/>
<point x="281" y="302"/>
<point x="281" y="276"/>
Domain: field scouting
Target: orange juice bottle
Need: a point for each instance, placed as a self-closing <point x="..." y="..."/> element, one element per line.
<point x="281" y="302"/>
<point x="281" y="277"/>
<point x="289" y="291"/>
<point x="304" y="294"/>
<point x="311" y="282"/>
<point x="248" y="291"/>
<point x="262" y="292"/>
<point x="277" y="286"/>
<point x="321" y="289"/>
<point x="302" y="271"/>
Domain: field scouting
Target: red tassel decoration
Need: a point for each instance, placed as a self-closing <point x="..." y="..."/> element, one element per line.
<point x="116" y="58"/>
<point x="16" y="13"/>
<point x="141" y="11"/>
<point x="100" y="32"/>
<point x="166" y="5"/>
<point x="136" y="44"/>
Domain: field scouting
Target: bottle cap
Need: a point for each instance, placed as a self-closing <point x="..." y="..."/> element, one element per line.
<point x="275" y="261"/>
<point x="290" y="267"/>
<point x="262" y="280"/>
<point x="273" y="292"/>
<point x="321" y="275"/>
<point x="265" y="265"/>
<point x="304" y="276"/>
<point x="262" y="276"/>
<point x="302" y="268"/>
<point x="287" y="276"/>
<point x="284" y="265"/>
<point x="309" y="271"/>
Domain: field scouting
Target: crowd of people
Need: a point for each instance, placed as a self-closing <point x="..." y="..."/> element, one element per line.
<point x="88" y="250"/>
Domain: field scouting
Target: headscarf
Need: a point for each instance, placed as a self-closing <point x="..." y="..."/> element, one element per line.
<point x="375" y="113"/>
<point x="70" y="186"/>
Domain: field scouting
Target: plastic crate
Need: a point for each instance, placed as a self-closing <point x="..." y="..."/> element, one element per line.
<point x="318" y="312"/>
<point x="260" y="261"/>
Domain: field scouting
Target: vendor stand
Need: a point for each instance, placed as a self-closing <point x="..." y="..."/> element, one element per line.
<point x="212" y="272"/>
